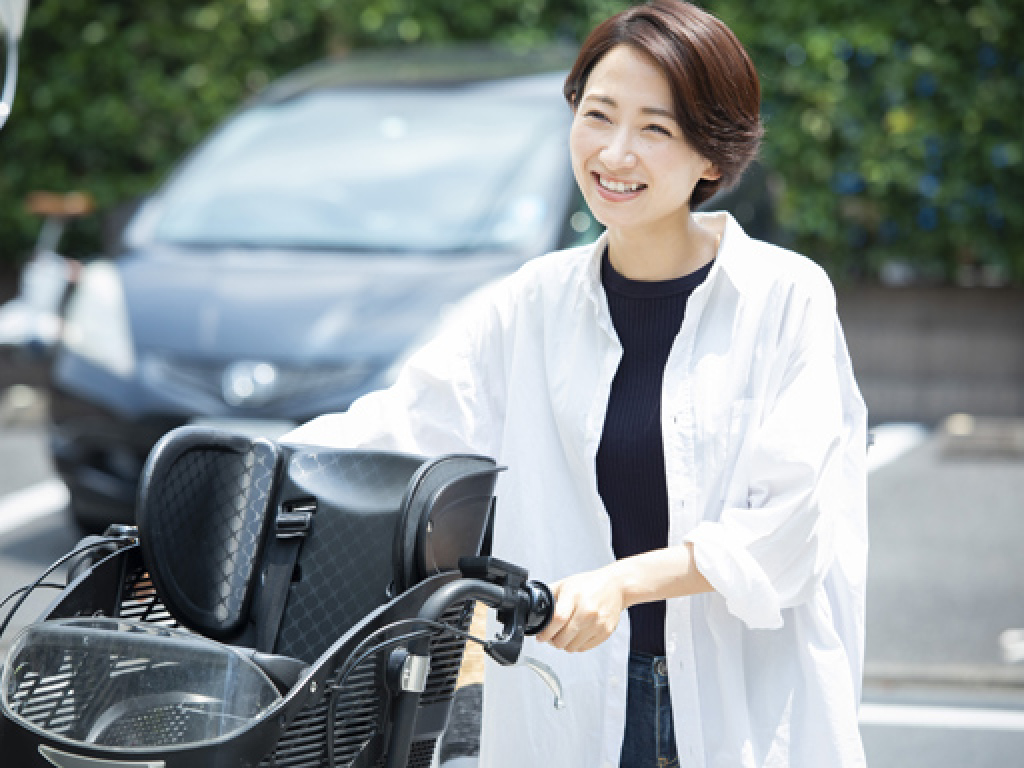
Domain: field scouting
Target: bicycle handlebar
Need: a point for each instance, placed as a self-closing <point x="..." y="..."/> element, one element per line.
<point x="522" y="606"/>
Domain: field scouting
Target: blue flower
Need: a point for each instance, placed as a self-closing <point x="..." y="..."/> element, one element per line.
<point x="848" y="183"/>
<point x="889" y="230"/>
<point x="865" y="59"/>
<point x="851" y="129"/>
<point x="843" y="50"/>
<point x="927" y="217"/>
<point x="1000" y="156"/>
<point x="928" y="186"/>
<point x="984" y="195"/>
<point x="795" y="54"/>
<point x="926" y="85"/>
<point x="995" y="220"/>
<point x="894" y="94"/>
<point x="988" y="57"/>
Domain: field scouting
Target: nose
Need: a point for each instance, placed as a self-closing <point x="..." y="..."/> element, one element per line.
<point x="618" y="153"/>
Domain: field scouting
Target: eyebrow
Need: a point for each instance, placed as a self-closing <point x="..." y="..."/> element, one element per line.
<point x="659" y="111"/>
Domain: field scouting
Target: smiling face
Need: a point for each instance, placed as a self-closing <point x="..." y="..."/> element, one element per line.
<point x="636" y="169"/>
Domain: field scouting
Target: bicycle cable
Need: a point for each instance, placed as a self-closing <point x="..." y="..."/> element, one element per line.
<point x="30" y="588"/>
<point x="19" y="590"/>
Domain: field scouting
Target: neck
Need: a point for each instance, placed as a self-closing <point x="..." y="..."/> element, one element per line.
<point x="666" y="254"/>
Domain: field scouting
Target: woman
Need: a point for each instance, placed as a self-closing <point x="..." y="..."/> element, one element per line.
<point x="684" y="436"/>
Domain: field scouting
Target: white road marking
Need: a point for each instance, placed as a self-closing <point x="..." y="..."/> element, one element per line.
<point x="942" y="717"/>
<point x="33" y="503"/>
<point x="892" y="441"/>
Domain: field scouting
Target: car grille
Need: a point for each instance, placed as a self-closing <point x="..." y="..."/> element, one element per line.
<point x="187" y="378"/>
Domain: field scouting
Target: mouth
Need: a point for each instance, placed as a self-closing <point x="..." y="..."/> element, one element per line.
<point x="618" y="187"/>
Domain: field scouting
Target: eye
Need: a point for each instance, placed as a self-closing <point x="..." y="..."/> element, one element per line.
<point x="596" y="114"/>
<point x="659" y="129"/>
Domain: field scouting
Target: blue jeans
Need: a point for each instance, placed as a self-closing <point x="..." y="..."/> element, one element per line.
<point x="649" y="741"/>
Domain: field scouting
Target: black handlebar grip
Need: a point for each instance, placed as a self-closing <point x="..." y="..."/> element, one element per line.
<point x="542" y="606"/>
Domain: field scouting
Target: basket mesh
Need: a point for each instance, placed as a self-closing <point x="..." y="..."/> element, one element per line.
<point x="360" y="708"/>
<point x="140" y="601"/>
<point x="56" y="704"/>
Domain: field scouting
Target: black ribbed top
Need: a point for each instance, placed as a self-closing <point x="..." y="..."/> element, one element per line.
<point x="630" y="459"/>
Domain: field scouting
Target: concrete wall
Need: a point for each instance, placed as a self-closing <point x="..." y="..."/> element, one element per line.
<point x="921" y="354"/>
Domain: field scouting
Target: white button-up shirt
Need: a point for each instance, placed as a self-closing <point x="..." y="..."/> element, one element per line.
<point x="764" y="441"/>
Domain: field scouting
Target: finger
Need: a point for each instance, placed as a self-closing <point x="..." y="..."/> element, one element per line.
<point x="560" y="616"/>
<point x="554" y="626"/>
<point x="593" y="633"/>
<point x="567" y="632"/>
<point x="564" y="639"/>
<point x="588" y="638"/>
<point x="594" y="639"/>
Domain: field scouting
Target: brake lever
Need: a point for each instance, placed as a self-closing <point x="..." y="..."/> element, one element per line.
<point x="547" y="674"/>
<point x="525" y="609"/>
<point x="542" y="670"/>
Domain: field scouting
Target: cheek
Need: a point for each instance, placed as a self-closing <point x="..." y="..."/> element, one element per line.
<point x="581" y="144"/>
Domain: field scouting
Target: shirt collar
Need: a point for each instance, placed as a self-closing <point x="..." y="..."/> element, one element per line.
<point x="592" y="287"/>
<point x="729" y="261"/>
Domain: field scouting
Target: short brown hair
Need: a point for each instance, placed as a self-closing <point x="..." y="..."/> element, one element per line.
<point x="716" y="93"/>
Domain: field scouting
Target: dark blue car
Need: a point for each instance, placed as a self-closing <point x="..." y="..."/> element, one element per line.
<point x="300" y="253"/>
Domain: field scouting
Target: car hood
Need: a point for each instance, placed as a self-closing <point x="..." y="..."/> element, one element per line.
<point x="299" y="308"/>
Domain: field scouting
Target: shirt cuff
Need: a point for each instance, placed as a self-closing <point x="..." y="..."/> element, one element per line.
<point x="736" y="576"/>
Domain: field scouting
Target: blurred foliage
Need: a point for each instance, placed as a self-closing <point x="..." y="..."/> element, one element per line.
<point x="894" y="129"/>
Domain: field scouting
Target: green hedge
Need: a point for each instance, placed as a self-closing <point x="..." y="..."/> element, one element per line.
<point x="897" y="129"/>
<point x="893" y="129"/>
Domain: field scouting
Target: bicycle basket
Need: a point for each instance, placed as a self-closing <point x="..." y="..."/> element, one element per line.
<point x="117" y="684"/>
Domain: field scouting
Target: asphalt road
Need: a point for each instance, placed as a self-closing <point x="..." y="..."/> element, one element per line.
<point x="946" y="579"/>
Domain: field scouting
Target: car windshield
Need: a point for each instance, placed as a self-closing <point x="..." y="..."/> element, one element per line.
<point x="447" y="169"/>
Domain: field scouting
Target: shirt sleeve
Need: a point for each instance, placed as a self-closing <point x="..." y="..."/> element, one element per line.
<point x="447" y="398"/>
<point x="775" y="540"/>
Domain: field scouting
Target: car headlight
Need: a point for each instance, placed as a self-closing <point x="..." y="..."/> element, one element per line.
<point x="96" y="322"/>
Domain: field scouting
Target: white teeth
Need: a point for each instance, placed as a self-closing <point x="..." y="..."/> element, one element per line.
<point x="618" y="186"/>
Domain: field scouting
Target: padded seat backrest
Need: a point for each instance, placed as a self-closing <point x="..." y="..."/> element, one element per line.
<point x="217" y="514"/>
<point x="203" y="518"/>
<point x="370" y="533"/>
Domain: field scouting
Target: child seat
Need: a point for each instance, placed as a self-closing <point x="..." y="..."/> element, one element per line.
<point x="312" y="564"/>
<point x="284" y="548"/>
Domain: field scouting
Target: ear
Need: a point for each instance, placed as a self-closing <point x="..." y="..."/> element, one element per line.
<point x="711" y="173"/>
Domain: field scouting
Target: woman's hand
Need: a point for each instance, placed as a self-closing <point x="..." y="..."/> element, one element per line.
<point x="588" y="607"/>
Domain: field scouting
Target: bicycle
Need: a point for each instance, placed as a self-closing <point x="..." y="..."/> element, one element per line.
<point x="275" y="606"/>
